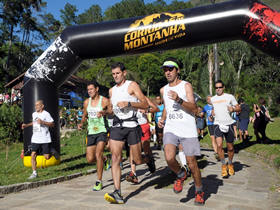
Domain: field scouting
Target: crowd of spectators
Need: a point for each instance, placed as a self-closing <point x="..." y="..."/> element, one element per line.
<point x="13" y="98"/>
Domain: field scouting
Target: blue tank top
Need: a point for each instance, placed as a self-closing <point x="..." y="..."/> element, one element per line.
<point x="159" y="114"/>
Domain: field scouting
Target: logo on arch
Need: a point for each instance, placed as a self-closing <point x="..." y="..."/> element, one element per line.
<point x="154" y="30"/>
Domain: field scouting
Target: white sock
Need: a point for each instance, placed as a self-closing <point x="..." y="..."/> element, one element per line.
<point x="182" y="158"/>
<point x="35" y="172"/>
<point x="155" y="138"/>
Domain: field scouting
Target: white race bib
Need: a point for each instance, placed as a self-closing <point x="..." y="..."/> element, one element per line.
<point x="176" y="115"/>
<point x="36" y="127"/>
<point x="92" y="113"/>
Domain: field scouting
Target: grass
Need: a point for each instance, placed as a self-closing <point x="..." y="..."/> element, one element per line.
<point x="269" y="152"/>
<point x="72" y="161"/>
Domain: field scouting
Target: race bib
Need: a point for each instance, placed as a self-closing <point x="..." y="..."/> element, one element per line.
<point x="176" y="115"/>
<point x="92" y="113"/>
<point x="36" y="127"/>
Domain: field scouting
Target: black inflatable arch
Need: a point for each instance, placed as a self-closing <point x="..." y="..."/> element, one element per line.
<point x="247" y="20"/>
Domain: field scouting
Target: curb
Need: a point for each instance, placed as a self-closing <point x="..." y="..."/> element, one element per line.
<point x="30" y="185"/>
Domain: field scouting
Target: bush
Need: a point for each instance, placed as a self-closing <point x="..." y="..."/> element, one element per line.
<point x="10" y="123"/>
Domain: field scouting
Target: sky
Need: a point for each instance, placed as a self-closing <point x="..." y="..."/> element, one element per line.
<point x="54" y="6"/>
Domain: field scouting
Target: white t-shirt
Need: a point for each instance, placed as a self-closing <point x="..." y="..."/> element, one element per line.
<point x="220" y="104"/>
<point x="41" y="133"/>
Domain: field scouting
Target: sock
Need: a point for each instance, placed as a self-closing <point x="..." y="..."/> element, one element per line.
<point x="35" y="172"/>
<point x="223" y="161"/>
<point x="182" y="158"/>
<point x="198" y="189"/>
<point x="229" y="161"/>
<point x="181" y="173"/>
<point x="155" y="138"/>
<point x="99" y="181"/>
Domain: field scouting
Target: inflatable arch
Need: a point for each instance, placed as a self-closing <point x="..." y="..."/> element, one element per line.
<point x="248" y="20"/>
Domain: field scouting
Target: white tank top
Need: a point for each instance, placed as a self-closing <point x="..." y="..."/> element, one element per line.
<point x="120" y="93"/>
<point x="141" y="118"/>
<point x="178" y="120"/>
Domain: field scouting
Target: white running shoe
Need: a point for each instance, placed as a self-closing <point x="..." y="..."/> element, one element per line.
<point x="33" y="176"/>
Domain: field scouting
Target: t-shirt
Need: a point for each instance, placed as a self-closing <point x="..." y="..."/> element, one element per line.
<point x="41" y="133"/>
<point x="220" y="105"/>
<point x="245" y="111"/>
<point x="208" y="110"/>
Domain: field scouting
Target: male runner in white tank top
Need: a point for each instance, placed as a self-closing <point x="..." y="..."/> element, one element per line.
<point x="179" y="127"/>
<point x="126" y="98"/>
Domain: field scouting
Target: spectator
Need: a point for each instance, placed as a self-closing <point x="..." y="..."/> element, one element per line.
<point x="243" y="120"/>
<point x="200" y="123"/>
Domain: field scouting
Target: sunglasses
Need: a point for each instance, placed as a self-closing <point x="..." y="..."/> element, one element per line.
<point x="219" y="87"/>
<point x="166" y="69"/>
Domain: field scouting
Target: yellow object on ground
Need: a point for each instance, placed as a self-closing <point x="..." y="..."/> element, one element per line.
<point x="42" y="162"/>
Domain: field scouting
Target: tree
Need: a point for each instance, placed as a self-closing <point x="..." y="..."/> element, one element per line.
<point x="68" y="15"/>
<point x="92" y="15"/>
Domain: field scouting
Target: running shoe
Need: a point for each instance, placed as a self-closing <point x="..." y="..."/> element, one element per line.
<point x="178" y="185"/>
<point x="131" y="177"/>
<point x="107" y="164"/>
<point x="151" y="165"/>
<point x="199" y="198"/>
<point x="98" y="186"/>
<point x="33" y="176"/>
<point x="230" y="169"/>
<point x="114" y="197"/>
<point x="224" y="171"/>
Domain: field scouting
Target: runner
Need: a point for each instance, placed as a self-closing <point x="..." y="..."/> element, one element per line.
<point x="223" y="105"/>
<point x="145" y="140"/>
<point x="126" y="98"/>
<point x="180" y="127"/>
<point x="159" y="131"/>
<point x="41" y="138"/>
<point x="95" y="107"/>
<point x="210" y="124"/>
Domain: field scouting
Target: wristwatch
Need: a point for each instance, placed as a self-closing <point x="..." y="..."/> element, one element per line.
<point x="180" y="101"/>
<point x="129" y="104"/>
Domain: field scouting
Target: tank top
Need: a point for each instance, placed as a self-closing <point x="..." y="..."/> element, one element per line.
<point x="120" y="93"/>
<point x="95" y="125"/>
<point x="159" y="114"/>
<point x="141" y="118"/>
<point x="178" y="120"/>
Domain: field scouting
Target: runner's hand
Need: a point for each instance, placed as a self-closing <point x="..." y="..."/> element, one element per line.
<point x="161" y="123"/>
<point x="23" y="126"/>
<point x="172" y="95"/>
<point x="122" y="104"/>
<point x="100" y="114"/>
<point x="80" y="126"/>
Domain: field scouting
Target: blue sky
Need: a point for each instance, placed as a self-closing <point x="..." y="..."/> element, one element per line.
<point x="53" y="6"/>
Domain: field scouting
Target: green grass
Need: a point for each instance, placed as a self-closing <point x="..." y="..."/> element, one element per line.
<point x="269" y="152"/>
<point x="72" y="156"/>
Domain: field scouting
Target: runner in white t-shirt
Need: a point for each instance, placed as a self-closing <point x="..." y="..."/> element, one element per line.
<point x="41" y="138"/>
<point x="223" y="105"/>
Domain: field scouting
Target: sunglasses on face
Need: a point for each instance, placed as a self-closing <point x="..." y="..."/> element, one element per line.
<point x="166" y="69"/>
<point x="220" y="87"/>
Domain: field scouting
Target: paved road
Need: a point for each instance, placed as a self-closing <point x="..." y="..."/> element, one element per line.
<point x="249" y="189"/>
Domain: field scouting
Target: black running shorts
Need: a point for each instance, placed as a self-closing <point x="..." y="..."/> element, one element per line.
<point x="41" y="148"/>
<point x="93" y="139"/>
<point x="131" y="135"/>
<point x="229" y="136"/>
